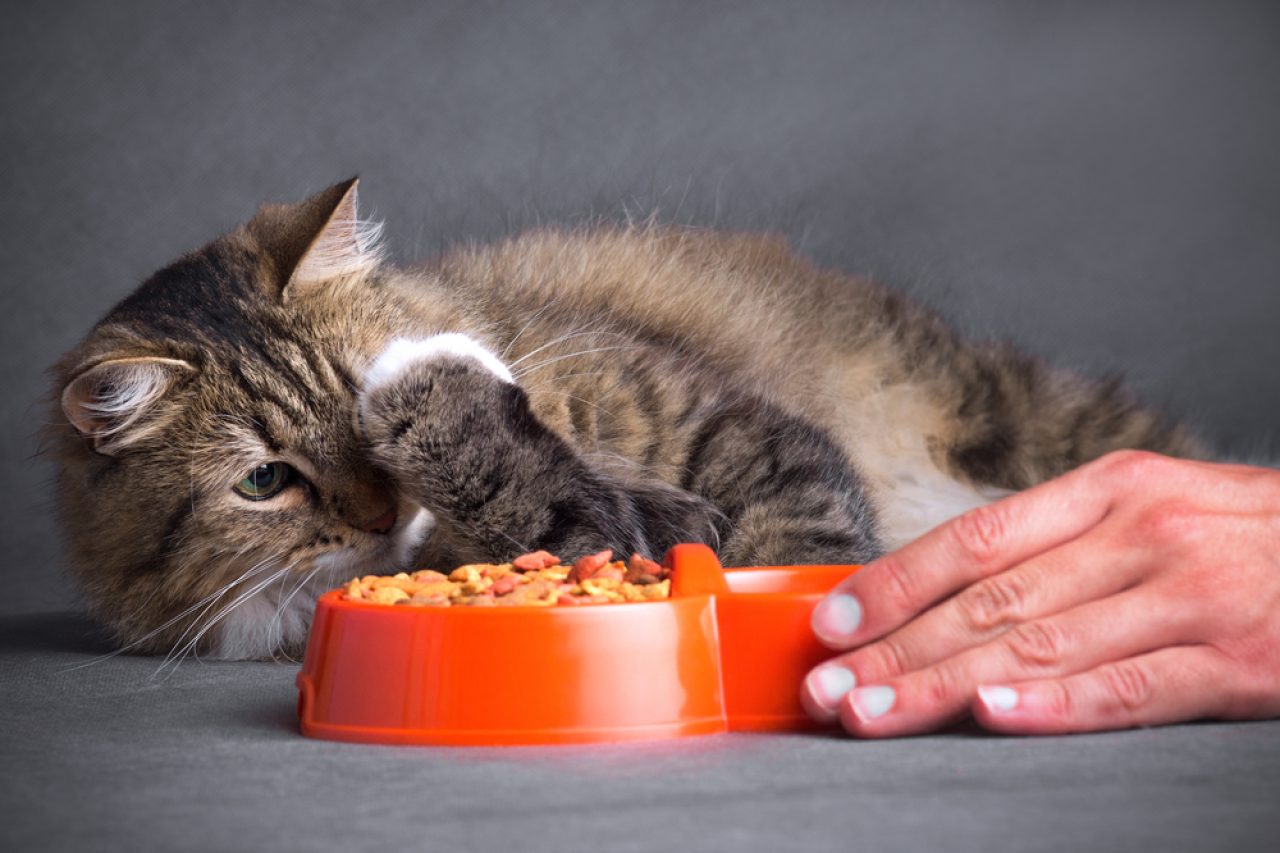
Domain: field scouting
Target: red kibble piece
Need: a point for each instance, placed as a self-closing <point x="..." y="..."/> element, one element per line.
<point x="638" y="567"/>
<point x="609" y="573"/>
<point x="587" y="566"/>
<point x="578" y="600"/>
<point x="535" y="561"/>
<point x="504" y="585"/>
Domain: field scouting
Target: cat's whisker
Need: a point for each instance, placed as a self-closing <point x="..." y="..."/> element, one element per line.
<point x="590" y="403"/>
<point x="330" y="572"/>
<point x="282" y="604"/>
<point x="174" y="658"/>
<point x="576" y="333"/>
<point x="529" y="389"/>
<point x="213" y="599"/>
<point x="196" y="606"/>
<point x="527" y="325"/>
<point x="548" y="361"/>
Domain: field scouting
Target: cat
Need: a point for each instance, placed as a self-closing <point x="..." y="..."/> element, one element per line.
<point x="282" y="410"/>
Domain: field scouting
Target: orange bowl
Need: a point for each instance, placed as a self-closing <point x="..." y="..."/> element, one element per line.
<point x="727" y="651"/>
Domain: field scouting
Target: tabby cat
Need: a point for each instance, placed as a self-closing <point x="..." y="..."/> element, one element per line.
<point x="282" y="410"/>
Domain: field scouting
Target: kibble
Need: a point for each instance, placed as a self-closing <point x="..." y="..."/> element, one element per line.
<point x="538" y="579"/>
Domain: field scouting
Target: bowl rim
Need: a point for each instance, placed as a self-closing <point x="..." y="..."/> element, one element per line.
<point x="335" y="597"/>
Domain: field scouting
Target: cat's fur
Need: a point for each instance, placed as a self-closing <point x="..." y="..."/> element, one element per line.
<point x="565" y="389"/>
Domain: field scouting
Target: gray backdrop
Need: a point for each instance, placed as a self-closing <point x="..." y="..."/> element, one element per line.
<point x="1100" y="182"/>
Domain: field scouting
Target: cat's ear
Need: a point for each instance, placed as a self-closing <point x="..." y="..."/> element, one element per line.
<point x="111" y="404"/>
<point x="319" y="239"/>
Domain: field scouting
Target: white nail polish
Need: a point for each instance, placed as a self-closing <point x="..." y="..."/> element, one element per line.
<point x="998" y="698"/>
<point x="872" y="702"/>
<point x="837" y="617"/>
<point x="830" y="683"/>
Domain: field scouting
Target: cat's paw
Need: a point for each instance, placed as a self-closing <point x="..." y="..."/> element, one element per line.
<point x="403" y="353"/>
<point x="432" y="392"/>
<point x="401" y="377"/>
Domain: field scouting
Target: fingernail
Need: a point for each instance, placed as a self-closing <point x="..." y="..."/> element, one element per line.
<point x="829" y="683"/>
<point x="837" y="617"/>
<point x="872" y="702"/>
<point x="998" y="698"/>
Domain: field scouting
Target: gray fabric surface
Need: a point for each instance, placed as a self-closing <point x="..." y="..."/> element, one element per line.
<point x="1099" y="182"/>
<point x="113" y="757"/>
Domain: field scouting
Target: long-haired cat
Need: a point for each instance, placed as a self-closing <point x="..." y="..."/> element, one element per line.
<point x="282" y="410"/>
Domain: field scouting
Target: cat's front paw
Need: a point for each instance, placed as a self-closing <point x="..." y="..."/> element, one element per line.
<point x="403" y="353"/>
<point x="433" y="395"/>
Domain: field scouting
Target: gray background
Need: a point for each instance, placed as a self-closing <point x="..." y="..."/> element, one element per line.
<point x="1097" y="181"/>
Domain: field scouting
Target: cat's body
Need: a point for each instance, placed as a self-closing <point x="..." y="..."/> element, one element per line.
<point x="574" y="390"/>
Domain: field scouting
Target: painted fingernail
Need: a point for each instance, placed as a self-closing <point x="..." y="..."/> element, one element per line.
<point x="998" y="698"/>
<point x="872" y="702"/>
<point x="837" y="617"/>
<point x="829" y="683"/>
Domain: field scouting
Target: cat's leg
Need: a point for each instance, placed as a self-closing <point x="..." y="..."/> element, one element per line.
<point x="787" y="490"/>
<point x="445" y="419"/>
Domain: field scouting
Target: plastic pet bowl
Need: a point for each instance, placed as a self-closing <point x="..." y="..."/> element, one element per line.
<point x="726" y="652"/>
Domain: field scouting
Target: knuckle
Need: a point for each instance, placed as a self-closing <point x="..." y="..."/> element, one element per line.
<point x="993" y="603"/>
<point x="890" y="658"/>
<point x="1129" y="466"/>
<point x="899" y="586"/>
<point x="980" y="533"/>
<point x="940" y="685"/>
<point x="1169" y="523"/>
<point x="1037" y="645"/>
<point x="1059" y="702"/>
<point x="1127" y="684"/>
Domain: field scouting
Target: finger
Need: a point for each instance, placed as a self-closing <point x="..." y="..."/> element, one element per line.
<point x="1167" y="686"/>
<point x="1053" y="582"/>
<point x="890" y="591"/>
<point x="1084" y="637"/>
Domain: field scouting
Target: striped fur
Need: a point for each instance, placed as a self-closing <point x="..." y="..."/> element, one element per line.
<point x="669" y="384"/>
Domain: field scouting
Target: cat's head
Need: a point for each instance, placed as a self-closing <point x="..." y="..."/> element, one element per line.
<point x="209" y="463"/>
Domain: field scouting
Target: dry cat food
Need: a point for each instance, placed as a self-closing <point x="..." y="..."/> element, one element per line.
<point x="538" y="579"/>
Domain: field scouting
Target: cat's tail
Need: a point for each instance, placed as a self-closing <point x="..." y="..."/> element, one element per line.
<point x="1019" y="421"/>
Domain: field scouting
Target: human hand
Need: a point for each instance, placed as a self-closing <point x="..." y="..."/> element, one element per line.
<point x="1137" y="590"/>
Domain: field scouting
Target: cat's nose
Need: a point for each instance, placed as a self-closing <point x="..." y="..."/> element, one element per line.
<point x="381" y="524"/>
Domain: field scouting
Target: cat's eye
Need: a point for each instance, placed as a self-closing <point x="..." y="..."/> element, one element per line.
<point x="265" y="481"/>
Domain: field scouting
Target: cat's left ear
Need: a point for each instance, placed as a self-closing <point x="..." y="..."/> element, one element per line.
<point x="319" y="239"/>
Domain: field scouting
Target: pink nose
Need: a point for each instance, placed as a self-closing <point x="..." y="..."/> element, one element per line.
<point x="381" y="524"/>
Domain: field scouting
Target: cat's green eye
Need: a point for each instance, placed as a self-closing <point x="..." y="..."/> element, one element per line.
<point x="265" y="481"/>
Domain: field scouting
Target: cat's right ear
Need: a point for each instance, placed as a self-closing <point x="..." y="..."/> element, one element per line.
<point x="112" y="404"/>
<point x="317" y="240"/>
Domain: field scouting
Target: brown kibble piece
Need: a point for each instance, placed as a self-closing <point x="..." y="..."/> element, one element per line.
<point x="587" y="566"/>
<point x="536" y="560"/>
<point x="504" y="585"/>
<point x="639" y="566"/>
<point x="388" y="595"/>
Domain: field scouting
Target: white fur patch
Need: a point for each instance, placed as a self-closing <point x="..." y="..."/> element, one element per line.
<point x="260" y="625"/>
<point x="280" y="614"/>
<point x="923" y="497"/>
<point x="411" y="536"/>
<point x="911" y="494"/>
<point x="403" y="352"/>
